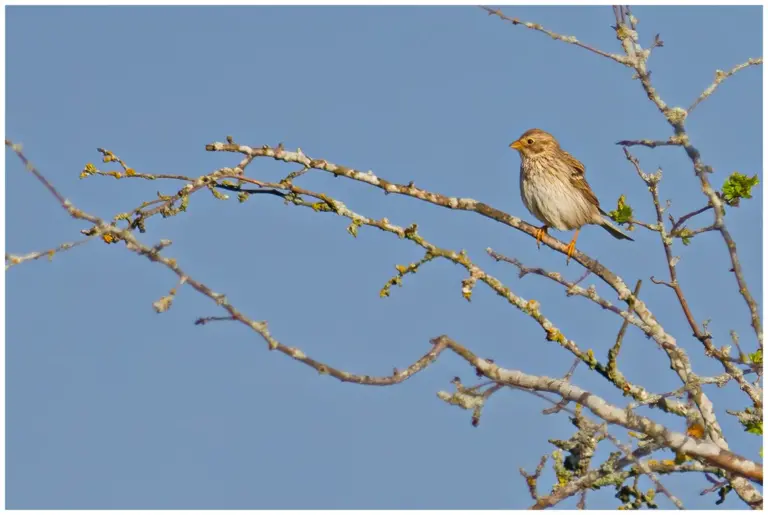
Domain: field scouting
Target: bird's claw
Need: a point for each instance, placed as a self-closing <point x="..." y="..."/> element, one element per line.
<point x="569" y="250"/>
<point x="540" y="232"/>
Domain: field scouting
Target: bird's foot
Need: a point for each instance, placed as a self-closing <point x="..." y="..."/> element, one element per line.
<point x="569" y="250"/>
<point x="540" y="232"/>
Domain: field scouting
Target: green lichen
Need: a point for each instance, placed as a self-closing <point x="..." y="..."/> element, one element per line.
<point x="676" y="115"/>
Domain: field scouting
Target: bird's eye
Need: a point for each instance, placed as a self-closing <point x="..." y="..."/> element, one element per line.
<point x="530" y="141"/>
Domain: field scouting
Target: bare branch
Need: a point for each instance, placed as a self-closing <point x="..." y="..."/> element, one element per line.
<point x="712" y="450"/>
<point x="720" y="76"/>
<point x="676" y="118"/>
<point x="566" y="39"/>
<point x="153" y="254"/>
<point x="532" y="479"/>
<point x="572" y="288"/>
<point x="678" y="359"/>
<point x="613" y="354"/>
<point x="643" y="466"/>
<point x="64" y="203"/>
<point x="649" y="143"/>
<point x="703" y="449"/>
<point x="754" y="393"/>
<point x="680" y="221"/>
<point x="13" y="259"/>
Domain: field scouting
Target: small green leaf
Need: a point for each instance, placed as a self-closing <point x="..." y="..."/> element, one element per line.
<point x="217" y="194"/>
<point x="738" y="186"/>
<point x="685" y="236"/>
<point x="755" y="428"/>
<point x="352" y="229"/>
<point x="623" y="212"/>
<point x="756" y="357"/>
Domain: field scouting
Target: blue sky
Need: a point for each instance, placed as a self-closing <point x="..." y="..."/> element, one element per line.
<point x="110" y="405"/>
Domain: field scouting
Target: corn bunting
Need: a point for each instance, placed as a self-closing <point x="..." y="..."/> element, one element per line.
<point x="554" y="189"/>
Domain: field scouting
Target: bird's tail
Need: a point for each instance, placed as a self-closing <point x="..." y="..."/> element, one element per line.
<point x="615" y="232"/>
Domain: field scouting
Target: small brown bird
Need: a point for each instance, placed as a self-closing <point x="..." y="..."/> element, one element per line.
<point x="554" y="189"/>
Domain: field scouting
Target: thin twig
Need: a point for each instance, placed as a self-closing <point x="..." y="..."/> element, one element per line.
<point x="572" y="288"/>
<point x="720" y="76"/>
<point x="647" y="471"/>
<point x="532" y="479"/>
<point x="560" y="405"/>
<point x="613" y="354"/>
<point x="649" y="143"/>
<point x="13" y="259"/>
<point x="566" y="39"/>
<point x="754" y="393"/>
<point x="153" y="254"/>
<point x="705" y="449"/>
<point x="680" y="221"/>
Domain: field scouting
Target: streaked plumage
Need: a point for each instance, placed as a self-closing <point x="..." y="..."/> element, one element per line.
<point x="554" y="189"/>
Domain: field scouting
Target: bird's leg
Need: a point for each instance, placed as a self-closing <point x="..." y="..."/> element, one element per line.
<point x="540" y="232"/>
<point x="571" y="248"/>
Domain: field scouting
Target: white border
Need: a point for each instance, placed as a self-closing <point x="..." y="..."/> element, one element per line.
<point x="282" y="2"/>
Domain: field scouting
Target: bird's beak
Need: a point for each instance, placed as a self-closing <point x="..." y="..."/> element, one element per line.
<point x="516" y="145"/>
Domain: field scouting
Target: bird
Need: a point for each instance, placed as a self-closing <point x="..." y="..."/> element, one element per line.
<point x="554" y="190"/>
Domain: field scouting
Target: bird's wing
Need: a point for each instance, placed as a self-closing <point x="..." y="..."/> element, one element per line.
<point x="576" y="166"/>
<point x="578" y="180"/>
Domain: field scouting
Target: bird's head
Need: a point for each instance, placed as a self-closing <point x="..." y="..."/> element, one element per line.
<point x="534" y="142"/>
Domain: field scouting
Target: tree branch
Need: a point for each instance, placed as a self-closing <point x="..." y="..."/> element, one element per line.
<point x="720" y="76"/>
<point x="703" y="449"/>
<point x="565" y="39"/>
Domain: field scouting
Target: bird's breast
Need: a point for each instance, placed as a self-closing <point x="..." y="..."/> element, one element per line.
<point x="551" y="197"/>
